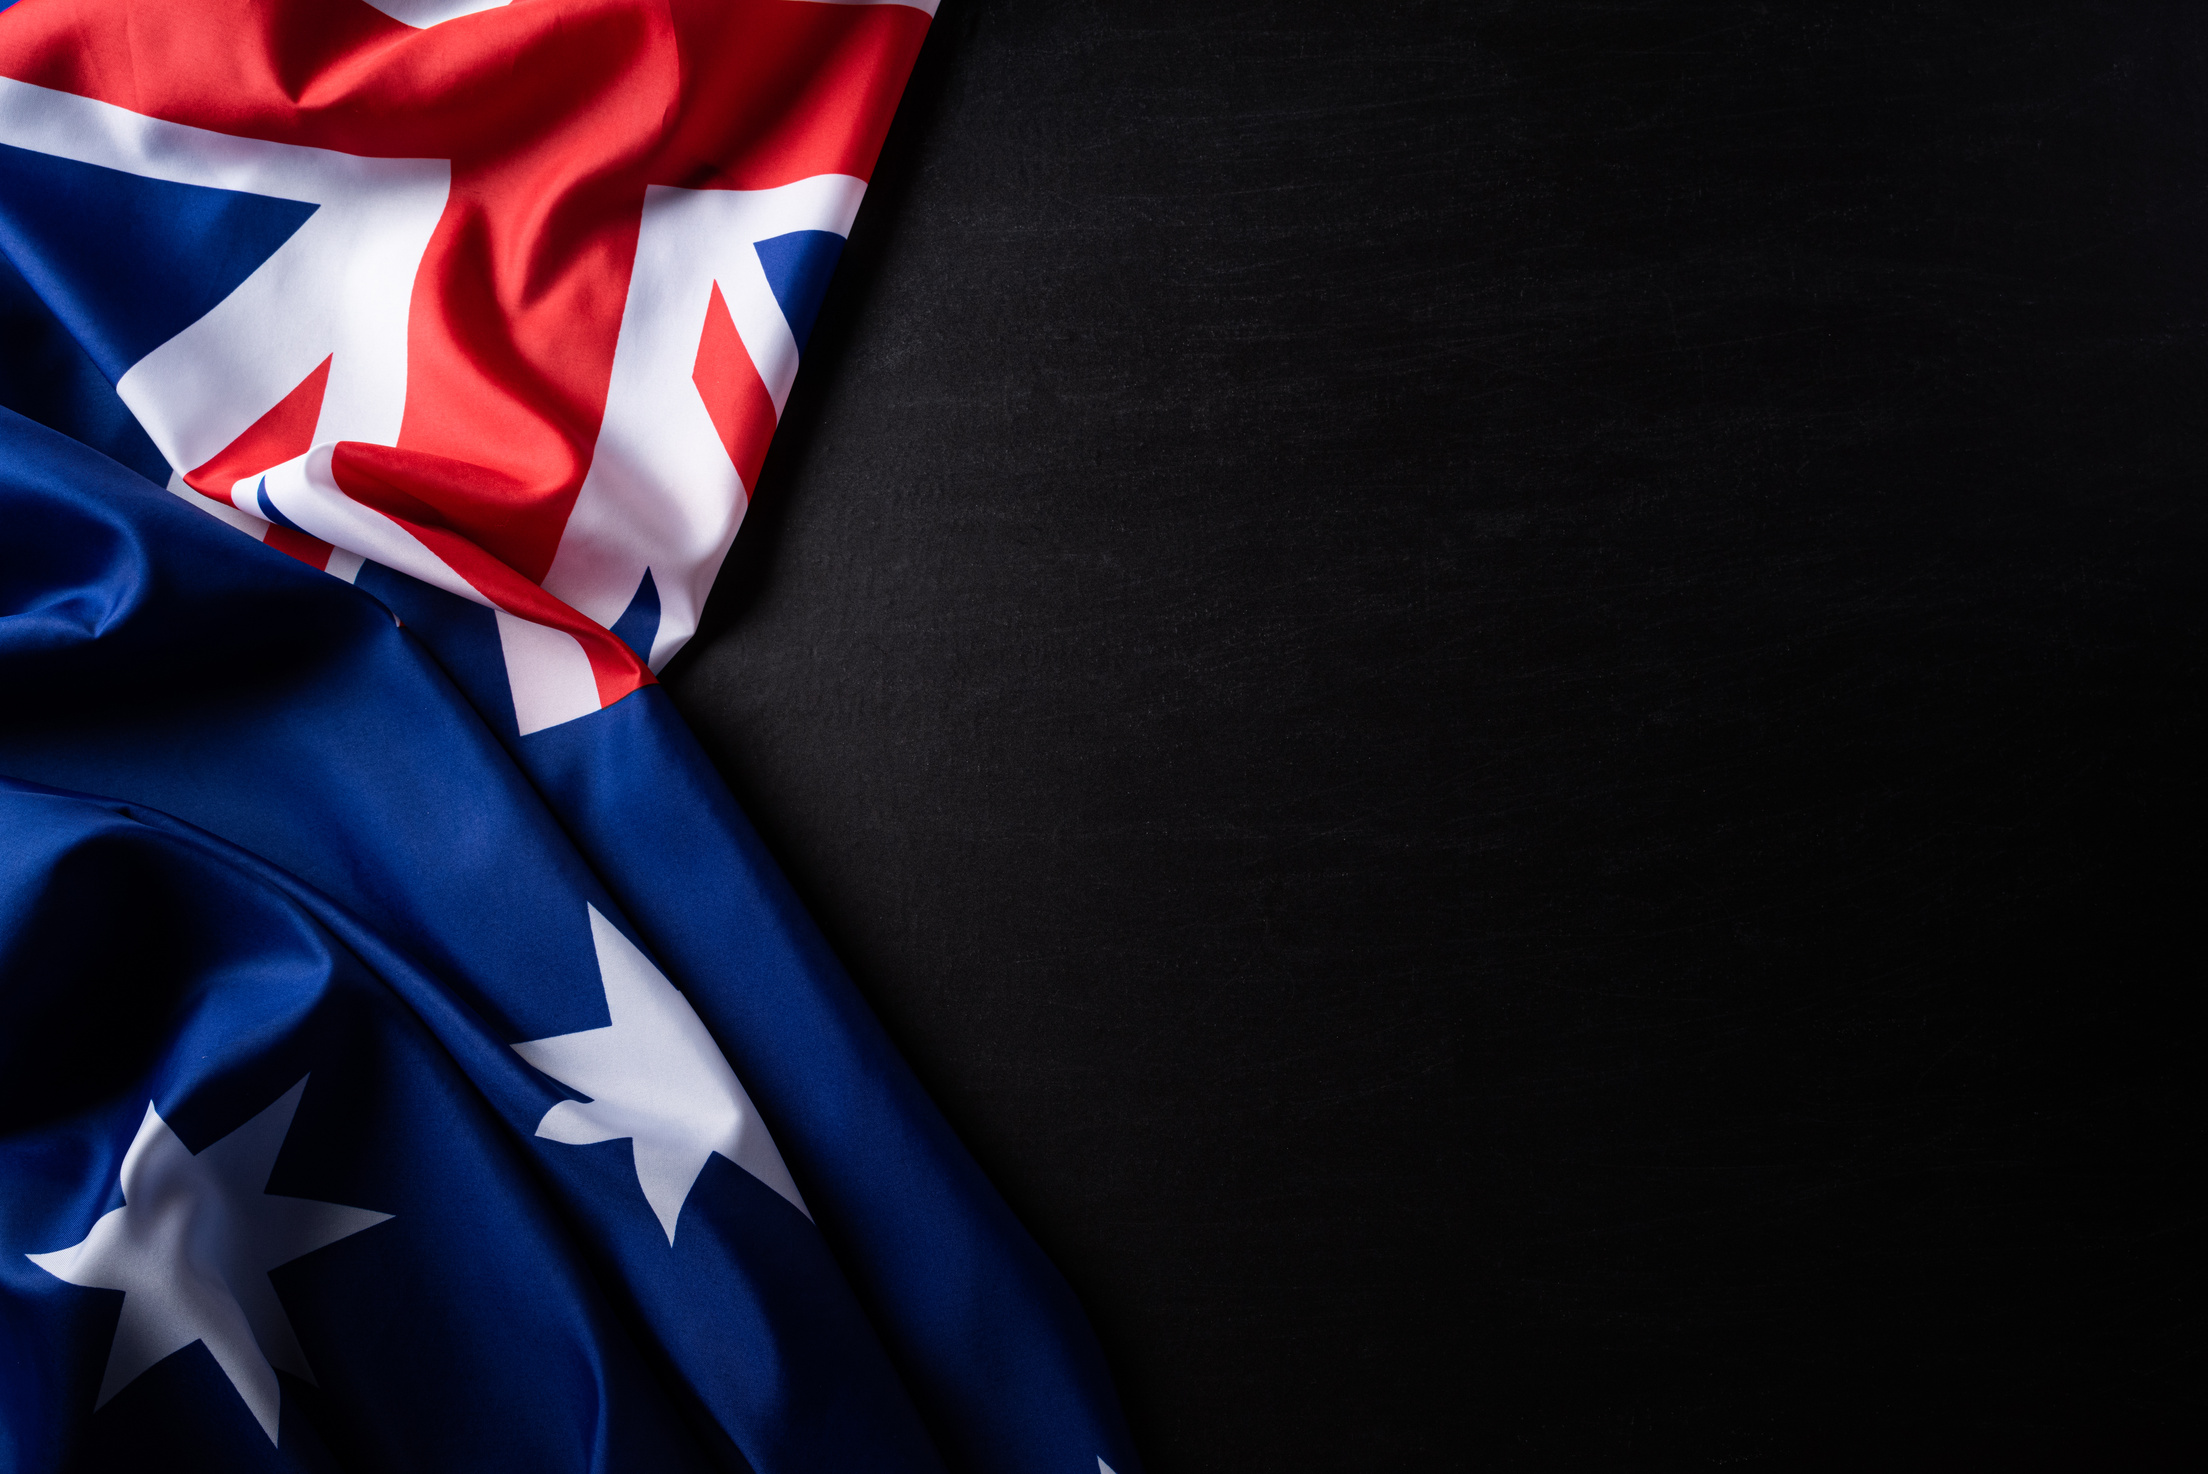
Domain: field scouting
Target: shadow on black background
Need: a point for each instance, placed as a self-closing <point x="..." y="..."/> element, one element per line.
<point x="1506" y="701"/>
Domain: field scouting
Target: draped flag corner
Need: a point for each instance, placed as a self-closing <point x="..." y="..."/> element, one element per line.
<point x="409" y="1056"/>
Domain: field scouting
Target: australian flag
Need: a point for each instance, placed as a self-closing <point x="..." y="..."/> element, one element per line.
<point x="409" y="1058"/>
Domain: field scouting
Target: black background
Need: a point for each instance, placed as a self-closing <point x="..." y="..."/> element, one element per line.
<point x="1506" y="701"/>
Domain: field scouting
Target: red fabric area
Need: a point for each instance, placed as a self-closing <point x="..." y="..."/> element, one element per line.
<point x="771" y="93"/>
<point x="287" y="430"/>
<point x="309" y="550"/>
<point x="414" y="489"/>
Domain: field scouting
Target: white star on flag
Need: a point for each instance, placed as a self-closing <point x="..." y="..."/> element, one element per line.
<point x="655" y="1076"/>
<point x="191" y="1249"/>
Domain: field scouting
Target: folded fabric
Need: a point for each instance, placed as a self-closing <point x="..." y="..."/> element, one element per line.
<point x="438" y="1096"/>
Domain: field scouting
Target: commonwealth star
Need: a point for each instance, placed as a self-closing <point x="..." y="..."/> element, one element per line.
<point x="655" y="1076"/>
<point x="191" y="1249"/>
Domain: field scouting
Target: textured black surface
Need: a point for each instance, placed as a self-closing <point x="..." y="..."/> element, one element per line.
<point x="1506" y="699"/>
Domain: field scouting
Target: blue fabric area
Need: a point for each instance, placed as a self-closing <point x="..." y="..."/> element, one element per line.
<point x="638" y="625"/>
<point x="231" y="982"/>
<point x="128" y="262"/>
<point x="313" y="857"/>
<point x="46" y="377"/>
<point x="463" y="633"/>
<point x="987" y="1334"/>
<point x="798" y="267"/>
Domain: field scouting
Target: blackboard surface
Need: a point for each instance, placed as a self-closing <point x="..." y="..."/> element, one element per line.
<point x="1506" y="700"/>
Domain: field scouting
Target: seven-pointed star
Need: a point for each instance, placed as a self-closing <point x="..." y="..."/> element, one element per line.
<point x="655" y="1076"/>
<point x="191" y="1249"/>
